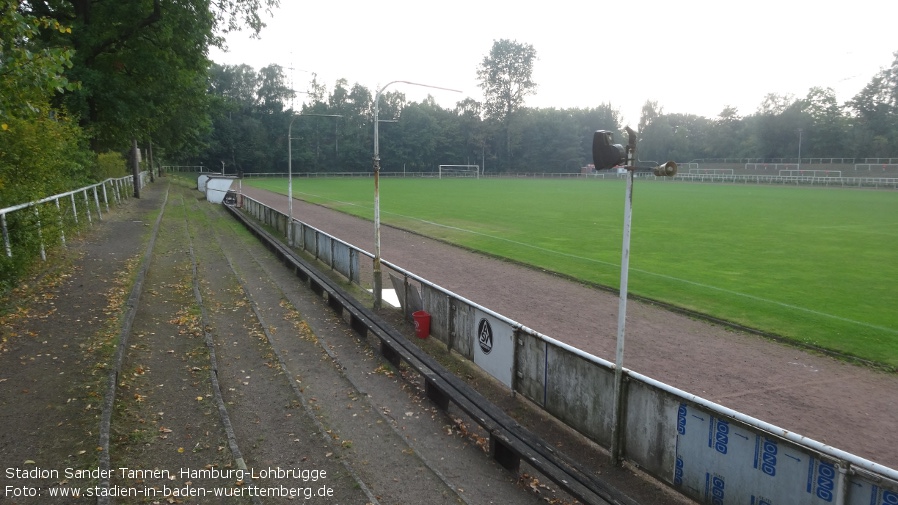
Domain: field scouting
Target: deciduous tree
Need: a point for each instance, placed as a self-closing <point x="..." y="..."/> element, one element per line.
<point x="30" y="71"/>
<point x="138" y="61"/>
<point x="506" y="77"/>
<point x="876" y="113"/>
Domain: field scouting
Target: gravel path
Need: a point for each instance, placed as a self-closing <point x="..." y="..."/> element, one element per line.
<point x="846" y="406"/>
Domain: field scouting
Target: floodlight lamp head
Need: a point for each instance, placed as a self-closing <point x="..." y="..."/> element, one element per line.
<point x="605" y="154"/>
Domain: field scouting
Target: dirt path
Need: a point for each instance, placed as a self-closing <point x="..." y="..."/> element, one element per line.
<point x="849" y="407"/>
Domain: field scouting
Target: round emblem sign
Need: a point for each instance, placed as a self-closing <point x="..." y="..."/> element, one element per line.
<point x="485" y="336"/>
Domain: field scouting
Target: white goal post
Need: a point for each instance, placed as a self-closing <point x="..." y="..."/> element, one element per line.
<point x="460" y="171"/>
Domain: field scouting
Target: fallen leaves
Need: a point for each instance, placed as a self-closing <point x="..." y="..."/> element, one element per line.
<point x="385" y="371"/>
<point x="462" y="430"/>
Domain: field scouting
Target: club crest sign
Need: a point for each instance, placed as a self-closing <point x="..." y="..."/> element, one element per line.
<point x="493" y="346"/>
<point x="485" y="335"/>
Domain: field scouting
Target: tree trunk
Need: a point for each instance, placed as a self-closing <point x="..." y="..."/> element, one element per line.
<point x="150" y="159"/>
<point x="135" y="167"/>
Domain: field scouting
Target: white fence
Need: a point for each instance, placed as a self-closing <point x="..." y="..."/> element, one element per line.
<point x="809" y="180"/>
<point x="120" y="188"/>
<point x="705" y="451"/>
<point x="184" y="168"/>
<point x="871" y="167"/>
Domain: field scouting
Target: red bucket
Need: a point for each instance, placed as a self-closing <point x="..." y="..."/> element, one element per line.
<point x="422" y="323"/>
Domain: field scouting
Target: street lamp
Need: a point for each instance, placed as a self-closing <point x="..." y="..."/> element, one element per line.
<point x="799" y="150"/>
<point x="290" y="172"/>
<point x="378" y="278"/>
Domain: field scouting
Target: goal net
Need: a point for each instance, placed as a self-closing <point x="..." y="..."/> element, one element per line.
<point x="460" y="171"/>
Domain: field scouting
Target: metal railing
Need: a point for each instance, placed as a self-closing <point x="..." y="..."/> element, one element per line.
<point x="85" y="197"/>
<point x="811" y="180"/>
<point x="702" y="449"/>
<point x="184" y="168"/>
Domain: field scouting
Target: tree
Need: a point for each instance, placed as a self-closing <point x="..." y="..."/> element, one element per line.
<point x="30" y="72"/>
<point x="775" y="103"/>
<point x="249" y="117"/>
<point x="237" y="83"/>
<point x="826" y="131"/>
<point x="471" y="130"/>
<point x="725" y="137"/>
<point x="506" y="79"/>
<point x="137" y="61"/>
<point x="774" y="128"/>
<point x="876" y="111"/>
<point x="649" y="113"/>
<point x="41" y="150"/>
<point x="273" y="92"/>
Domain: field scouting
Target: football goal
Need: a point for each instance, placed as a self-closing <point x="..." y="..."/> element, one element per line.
<point x="460" y="171"/>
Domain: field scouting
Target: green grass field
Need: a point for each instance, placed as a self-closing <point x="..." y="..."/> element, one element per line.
<point x="814" y="265"/>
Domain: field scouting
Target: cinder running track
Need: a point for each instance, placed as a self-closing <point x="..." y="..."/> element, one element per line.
<point x="850" y="407"/>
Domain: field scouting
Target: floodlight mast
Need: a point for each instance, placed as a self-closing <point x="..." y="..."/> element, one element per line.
<point x="605" y="156"/>
<point x="378" y="275"/>
<point x="622" y="304"/>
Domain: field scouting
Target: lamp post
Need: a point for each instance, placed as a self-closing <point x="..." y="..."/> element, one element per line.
<point x="290" y="172"/>
<point x="605" y="156"/>
<point x="799" y="150"/>
<point x="617" y="410"/>
<point x="378" y="277"/>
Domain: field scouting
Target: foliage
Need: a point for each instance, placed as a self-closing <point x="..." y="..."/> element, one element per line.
<point x="29" y="72"/>
<point x="334" y="132"/>
<point x="140" y="60"/>
<point x="506" y="77"/>
<point x="79" y="73"/>
<point x="251" y="136"/>
<point x="876" y="113"/>
<point x="109" y="165"/>
<point x="39" y="156"/>
<point x="247" y="111"/>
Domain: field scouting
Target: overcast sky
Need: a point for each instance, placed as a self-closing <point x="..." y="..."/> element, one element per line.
<point x="691" y="56"/>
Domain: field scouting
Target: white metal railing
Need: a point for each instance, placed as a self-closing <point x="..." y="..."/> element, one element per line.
<point x="89" y="194"/>
<point x="666" y="431"/>
<point x="823" y="180"/>
<point x="184" y="168"/>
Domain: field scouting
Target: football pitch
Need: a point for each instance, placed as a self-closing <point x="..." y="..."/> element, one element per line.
<point x="814" y="265"/>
